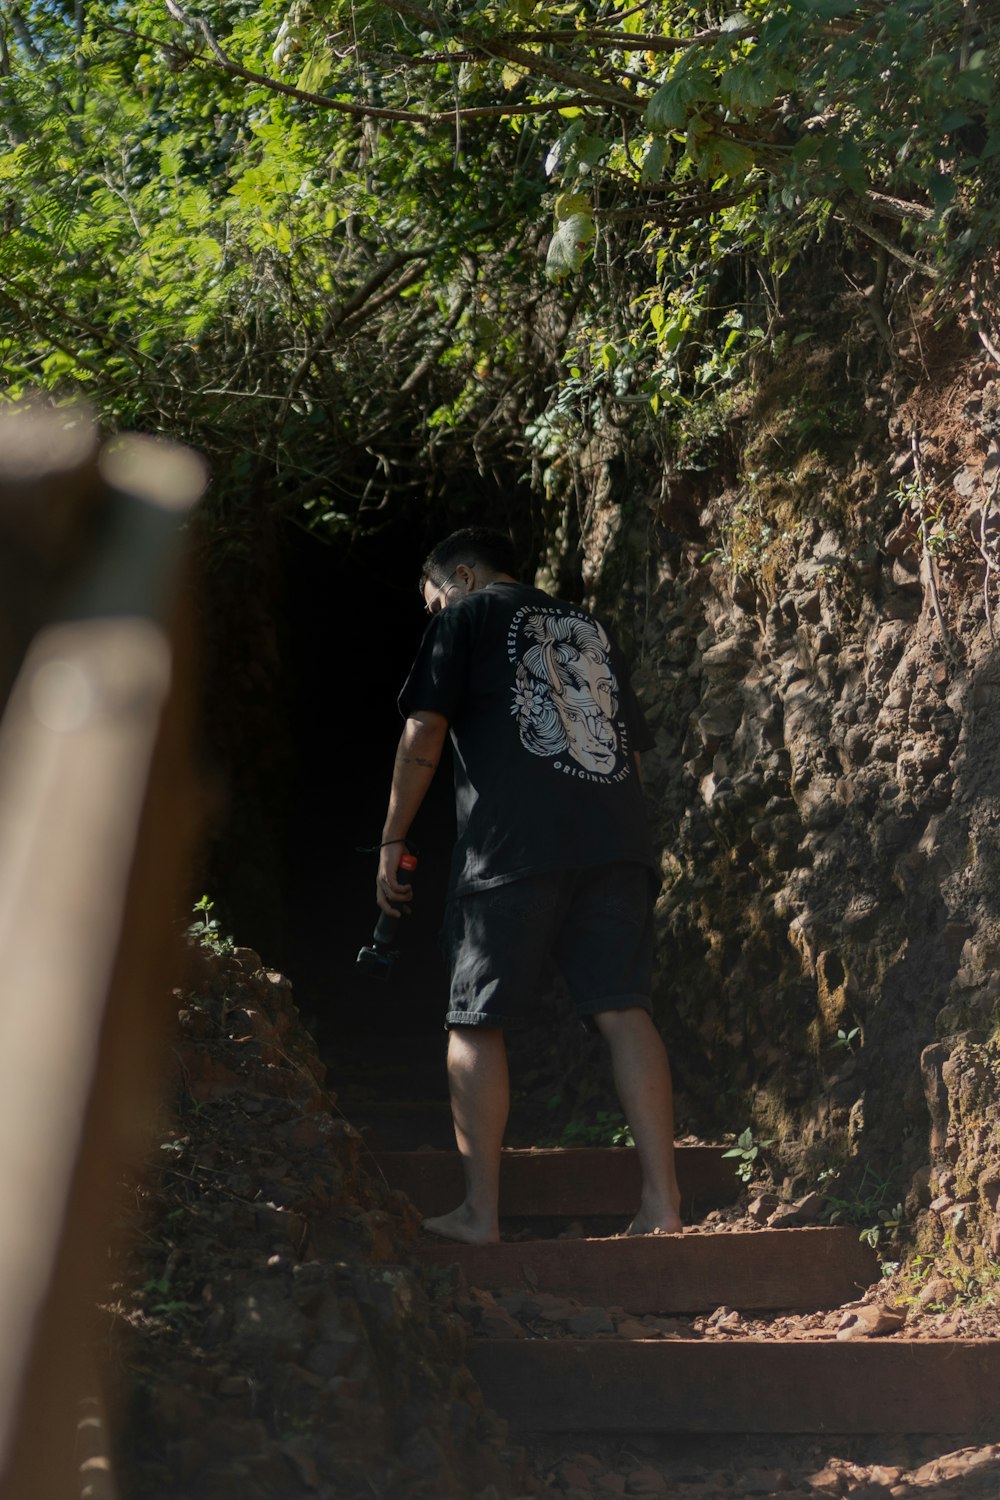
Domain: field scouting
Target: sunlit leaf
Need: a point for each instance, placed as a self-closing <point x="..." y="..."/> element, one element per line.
<point x="568" y="246"/>
<point x="316" y="71"/>
<point x="570" y="205"/>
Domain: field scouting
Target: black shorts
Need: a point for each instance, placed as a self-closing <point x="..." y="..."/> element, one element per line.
<point x="595" y="925"/>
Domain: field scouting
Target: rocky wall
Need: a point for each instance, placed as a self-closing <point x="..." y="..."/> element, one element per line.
<point x="271" y="1338"/>
<point x="813" y="616"/>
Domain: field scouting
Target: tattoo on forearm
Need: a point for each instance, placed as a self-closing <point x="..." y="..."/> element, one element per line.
<point x="417" y="760"/>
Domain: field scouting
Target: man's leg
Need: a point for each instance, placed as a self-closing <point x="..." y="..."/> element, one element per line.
<point x="642" y="1078"/>
<point x="480" y="1100"/>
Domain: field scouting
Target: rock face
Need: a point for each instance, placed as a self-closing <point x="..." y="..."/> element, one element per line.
<point x="272" y="1337"/>
<point x="819" y="664"/>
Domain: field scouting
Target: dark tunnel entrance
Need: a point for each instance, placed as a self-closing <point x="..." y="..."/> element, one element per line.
<point x="353" y="621"/>
<point x="349" y="619"/>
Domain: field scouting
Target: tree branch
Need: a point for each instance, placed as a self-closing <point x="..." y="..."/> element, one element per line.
<point x="19" y="26"/>
<point x="343" y="106"/>
<point x="366" y="310"/>
<point x="530" y="61"/>
<point x="897" y="208"/>
<point x="379" y="276"/>
<point x="44" y="333"/>
<point x="100" y="335"/>
<point x="628" y="41"/>
<point x="674" y="213"/>
<point x="869" y="230"/>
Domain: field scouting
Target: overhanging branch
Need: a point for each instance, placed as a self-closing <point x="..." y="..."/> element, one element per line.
<point x="347" y="107"/>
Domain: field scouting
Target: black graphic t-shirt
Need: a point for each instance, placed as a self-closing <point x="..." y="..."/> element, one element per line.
<point x="544" y="725"/>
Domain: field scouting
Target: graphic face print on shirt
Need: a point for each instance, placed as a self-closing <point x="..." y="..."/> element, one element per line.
<point x="565" y="690"/>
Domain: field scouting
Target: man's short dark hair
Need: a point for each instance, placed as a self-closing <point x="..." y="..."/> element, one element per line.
<point x="473" y="544"/>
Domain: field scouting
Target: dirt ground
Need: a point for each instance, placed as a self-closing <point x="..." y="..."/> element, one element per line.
<point x="739" y="1467"/>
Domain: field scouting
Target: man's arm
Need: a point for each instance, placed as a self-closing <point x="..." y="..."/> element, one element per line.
<point x="417" y="758"/>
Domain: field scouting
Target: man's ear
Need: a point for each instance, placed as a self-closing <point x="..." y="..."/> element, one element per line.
<point x="466" y="574"/>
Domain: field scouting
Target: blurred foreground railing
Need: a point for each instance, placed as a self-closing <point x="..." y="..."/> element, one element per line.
<point x="97" y="820"/>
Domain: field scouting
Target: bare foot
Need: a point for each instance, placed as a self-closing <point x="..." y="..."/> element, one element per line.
<point x="462" y="1225"/>
<point x="668" y="1222"/>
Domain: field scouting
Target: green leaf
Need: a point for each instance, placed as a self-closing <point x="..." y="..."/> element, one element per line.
<point x="941" y="189"/>
<point x="11" y="163"/>
<point x="978" y="86"/>
<point x="747" y="89"/>
<point x="559" y="150"/>
<point x="671" y="104"/>
<point x="652" y="163"/>
<point x="60" y="364"/>
<point x="316" y="71"/>
<point x="590" y="149"/>
<point x="205" y="249"/>
<point x="673" y="335"/>
<point x="470" y="78"/>
<point x="570" y="204"/>
<point x="850" y="164"/>
<point x="728" y="158"/>
<point x="568" y="246"/>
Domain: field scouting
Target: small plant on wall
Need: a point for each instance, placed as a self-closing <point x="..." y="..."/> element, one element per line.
<point x="747" y="1155"/>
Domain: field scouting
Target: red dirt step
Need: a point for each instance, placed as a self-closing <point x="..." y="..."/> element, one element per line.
<point x="897" y="1386"/>
<point x="575" y="1182"/>
<point x="750" y="1270"/>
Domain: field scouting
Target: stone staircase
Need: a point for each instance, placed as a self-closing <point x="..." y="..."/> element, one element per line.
<point x="669" y="1382"/>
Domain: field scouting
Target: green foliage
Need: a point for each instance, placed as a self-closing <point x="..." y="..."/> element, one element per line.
<point x="747" y="1154"/>
<point x="206" y="931"/>
<point x="574" y="232"/>
<point x="972" y="1287"/>
<point x="930" y="512"/>
<point x="167" y="1308"/>
<point x="603" y="1127"/>
<point x="606" y="1128"/>
<point x="332" y="244"/>
<point x="870" y="1208"/>
<point x="890" y="1221"/>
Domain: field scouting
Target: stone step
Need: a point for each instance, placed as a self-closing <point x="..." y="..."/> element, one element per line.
<point x="745" y="1386"/>
<point x="791" y="1270"/>
<point x="577" y="1182"/>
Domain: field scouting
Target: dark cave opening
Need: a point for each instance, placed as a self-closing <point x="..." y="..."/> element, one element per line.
<point x="353" y="620"/>
<point x="308" y="643"/>
<point x="308" y="796"/>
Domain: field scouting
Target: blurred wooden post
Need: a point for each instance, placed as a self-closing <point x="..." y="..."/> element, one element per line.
<point x="51" y="498"/>
<point x="97" y="819"/>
